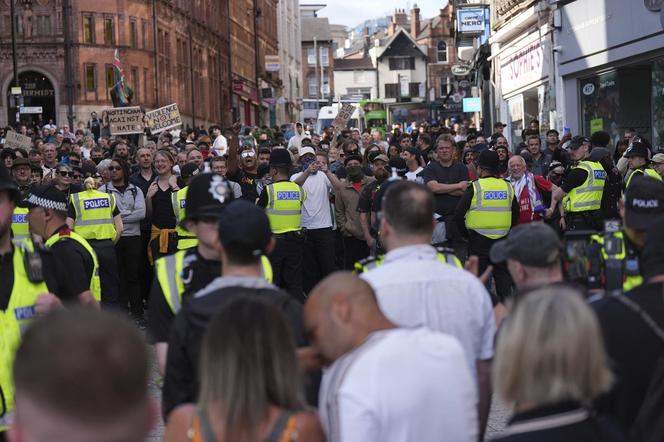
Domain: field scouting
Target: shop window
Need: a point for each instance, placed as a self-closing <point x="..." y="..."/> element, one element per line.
<point x="88" y="29"/>
<point x="90" y="77"/>
<point x="441" y="52"/>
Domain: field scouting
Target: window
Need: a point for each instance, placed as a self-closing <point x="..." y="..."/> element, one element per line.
<point x="42" y="25"/>
<point x="444" y="89"/>
<point x="109" y="37"/>
<point x="90" y="80"/>
<point x="324" y="53"/>
<point x="391" y="90"/>
<point x="133" y="37"/>
<point x="442" y="52"/>
<point x="88" y="29"/>
<point x="110" y="76"/>
<point x="402" y="63"/>
<point x="311" y="57"/>
<point x="312" y="81"/>
<point x="144" y="34"/>
<point x="145" y="85"/>
<point x="413" y="89"/>
<point x="135" y="81"/>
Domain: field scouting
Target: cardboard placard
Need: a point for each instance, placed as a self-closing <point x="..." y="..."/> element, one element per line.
<point x="164" y="118"/>
<point x="343" y="116"/>
<point x="16" y="140"/>
<point x="125" y="120"/>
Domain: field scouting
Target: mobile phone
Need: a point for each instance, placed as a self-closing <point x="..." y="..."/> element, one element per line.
<point x="566" y="131"/>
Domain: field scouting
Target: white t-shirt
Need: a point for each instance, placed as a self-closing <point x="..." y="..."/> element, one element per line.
<point x="412" y="176"/>
<point x="220" y="145"/>
<point x="316" y="210"/>
<point x="400" y="385"/>
<point x="414" y="289"/>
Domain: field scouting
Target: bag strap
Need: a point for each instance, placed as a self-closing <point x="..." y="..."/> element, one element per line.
<point x="636" y="308"/>
<point x="278" y="427"/>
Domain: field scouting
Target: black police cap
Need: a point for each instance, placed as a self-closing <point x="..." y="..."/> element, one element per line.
<point x="207" y="195"/>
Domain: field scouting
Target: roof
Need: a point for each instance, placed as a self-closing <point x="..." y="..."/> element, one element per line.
<point x="385" y="44"/>
<point x="318" y="27"/>
<point x="351" y="64"/>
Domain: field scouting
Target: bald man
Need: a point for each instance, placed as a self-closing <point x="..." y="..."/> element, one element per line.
<point x="385" y="383"/>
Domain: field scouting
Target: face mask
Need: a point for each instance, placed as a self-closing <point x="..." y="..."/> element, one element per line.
<point x="354" y="173"/>
<point x="307" y="162"/>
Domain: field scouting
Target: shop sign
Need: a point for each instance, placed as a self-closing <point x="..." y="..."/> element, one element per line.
<point x="244" y="90"/>
<point x="164" y="118"/>
<point x="473" y="104"/>
<point x="460" y="70"/>
<point x="272" y="63"/>
<point x="471" y="20"/>
<point x="526" y="65"/>
<point x="125" y="120"/>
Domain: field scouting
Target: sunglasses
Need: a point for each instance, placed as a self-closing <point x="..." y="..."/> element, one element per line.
<point x="64" y="174"/>
<point x="247" y="153"/>
<point x="114" y="168"/>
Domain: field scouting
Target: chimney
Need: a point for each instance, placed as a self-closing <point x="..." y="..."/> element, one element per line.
<point x="415" y="21"/>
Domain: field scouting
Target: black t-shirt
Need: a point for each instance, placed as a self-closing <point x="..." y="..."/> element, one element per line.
<point x="632" y="347"/>
<point x="455" y="173"/>
<point x="74" y="267"/>
<point x="197" y="272"/>
<point x="184" y="345"/>
<point x="162" y="209"/>
<point x="137" y="180"/>
<point x="247" y="182"/>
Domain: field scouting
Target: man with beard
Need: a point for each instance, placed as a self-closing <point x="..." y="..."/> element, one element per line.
<point x="365" y="203"/>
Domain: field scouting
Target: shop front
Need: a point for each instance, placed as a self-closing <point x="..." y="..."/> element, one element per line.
<point x="612" y="63"/>
<point x="245" y="103"/>
<point x="524" y="85"/>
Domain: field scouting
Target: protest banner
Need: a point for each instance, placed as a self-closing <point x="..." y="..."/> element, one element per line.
<point x="164" y="118"/>
<point x="15" y="140"/>
<point x="343" y="116"/>
<point x="125" y="120"/>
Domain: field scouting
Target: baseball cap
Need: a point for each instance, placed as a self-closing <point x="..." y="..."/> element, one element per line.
<point x="351" y="158"/>
<point x="637" y="149"/>
<point x="244" y="228"/>
<point x="280" y="157"/>
<point x="499" y="124"/>
<point x="479" y="148"/>
<point x="488" y="160"/>
<point x="644" y="201"/>
<point x="533" y="244"/>
<point x="652" y="256"/>
<point x="382" y="157"/>
<point x="657" y="159"/>
<point x="399" y="164"/>
<point x="306" y="150"/>
<point x="207" y="195"/>
<point x="48" y="197"/>
<point x="577" y="142"/>
<point x="20" y="161"/>
<point x="188" y="170"/>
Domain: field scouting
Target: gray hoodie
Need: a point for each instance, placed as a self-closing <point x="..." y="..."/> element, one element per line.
<point x="131" y="205"/>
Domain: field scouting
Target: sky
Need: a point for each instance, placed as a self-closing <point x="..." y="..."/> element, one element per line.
<point x="353" y="12"/>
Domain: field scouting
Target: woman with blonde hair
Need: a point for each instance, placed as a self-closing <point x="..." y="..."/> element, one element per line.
<point x="163" y="236"/>
<point x="550" y="364"/>
<point x="250" y="386"/>
<point x="94" y="215"/>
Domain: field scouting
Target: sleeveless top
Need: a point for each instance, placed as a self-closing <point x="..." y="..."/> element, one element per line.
<point x="283" y="430"/>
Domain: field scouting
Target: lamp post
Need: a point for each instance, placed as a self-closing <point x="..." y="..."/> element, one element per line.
<point x="16" y="97"/>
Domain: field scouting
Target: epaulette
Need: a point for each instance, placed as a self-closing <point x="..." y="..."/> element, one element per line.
<point x="365" y="263"/>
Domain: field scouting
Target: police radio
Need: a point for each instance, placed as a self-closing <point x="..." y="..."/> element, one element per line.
<point x="581" y="260"/>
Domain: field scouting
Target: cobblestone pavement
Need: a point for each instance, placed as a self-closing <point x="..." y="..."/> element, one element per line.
<point x="497" y="419"/>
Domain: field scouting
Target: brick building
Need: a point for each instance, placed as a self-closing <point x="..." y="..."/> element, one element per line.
<point x="317" y="61"/>
<point x="171" y="51"/>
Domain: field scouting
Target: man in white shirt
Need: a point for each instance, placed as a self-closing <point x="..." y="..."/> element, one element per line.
<point x="385" y="383"/>
<point x="317" y="215"/>
<point x="412" y="157"/>
<point x="296" y="140"/>
<point x="415" y="288"/>
<point x="220" y="144"/>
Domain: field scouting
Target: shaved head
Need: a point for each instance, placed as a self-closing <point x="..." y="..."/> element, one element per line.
<point x="341" y="311"/>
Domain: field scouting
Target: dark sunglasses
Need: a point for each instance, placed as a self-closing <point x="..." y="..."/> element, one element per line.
<point x="114" y="168"/>
<point x="69" y="174"/>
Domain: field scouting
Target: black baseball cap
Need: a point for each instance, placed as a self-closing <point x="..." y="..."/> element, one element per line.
<point x="207" y="195"/>
<point x="189" y="170"/>
<point x="498" y="124"/>
<point x="488" y="160"/>
<point x="533" y="244"/>
<point x="638" y="149"/>
<point x="644" y="202"/>
<point x="244" y="228"/>
<point x="399" y="164"/>
<point x="47" y="196"/>
<point x="352" y="157"/>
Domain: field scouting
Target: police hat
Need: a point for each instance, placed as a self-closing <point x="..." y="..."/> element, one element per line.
<point x="280" y="157"/>
<point x="48" y="197"/>
<point x="638" y="149"/>
<point x="207" y="195"/>
<point x="488" y="160"/>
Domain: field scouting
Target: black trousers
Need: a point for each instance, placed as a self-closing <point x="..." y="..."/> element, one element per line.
<point x="354" y="250"/>
<point x="286" y="261"/>
<point x="589" y="220"/>
<point x="128" y="251"/>
<point x="319" y="256"/>
<point x="108" y="272"/>
<point x="480" y="246"/>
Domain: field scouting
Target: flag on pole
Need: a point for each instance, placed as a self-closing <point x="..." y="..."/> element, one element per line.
<point x="121" y="93"/>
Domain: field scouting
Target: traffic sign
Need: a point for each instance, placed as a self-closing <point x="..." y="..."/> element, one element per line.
<point x="30" y="109"/>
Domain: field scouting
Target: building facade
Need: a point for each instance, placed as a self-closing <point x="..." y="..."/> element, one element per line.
<point x="289" y="103"/>
<point x="171" y="51"/>
<point x="317" y="61"/>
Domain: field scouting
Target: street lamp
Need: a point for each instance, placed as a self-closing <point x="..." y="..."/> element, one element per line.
<point x="16" y="93"/>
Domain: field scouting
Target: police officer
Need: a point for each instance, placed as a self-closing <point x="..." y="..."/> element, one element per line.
<point x="75" y="261"/>
<point x="638" y="154"/>
<point x="282" y="200"/>
<point x="620" y="248"/>
<point x="94" y="216"/>
<point x="581" y="190"/>
<point x="190" y="270"/>
<point x="186" y="239"/>
<point x="485" y="214"/>
<point x="21" y="174"/>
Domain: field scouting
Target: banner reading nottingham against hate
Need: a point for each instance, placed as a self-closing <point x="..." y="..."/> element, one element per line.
<point x="125" y="120"/>
<point x="164" y="118"/>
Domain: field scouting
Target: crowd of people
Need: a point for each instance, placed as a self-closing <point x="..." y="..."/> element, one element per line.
<point x="342" y="286"/>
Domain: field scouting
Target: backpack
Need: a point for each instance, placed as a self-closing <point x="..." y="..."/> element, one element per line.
<point x="649" y="423"/>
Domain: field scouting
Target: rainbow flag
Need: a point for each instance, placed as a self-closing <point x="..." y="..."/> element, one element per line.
<point x="122" y="91"/>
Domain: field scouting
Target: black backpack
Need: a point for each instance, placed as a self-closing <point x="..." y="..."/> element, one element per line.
<point x="649" y="423"/>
